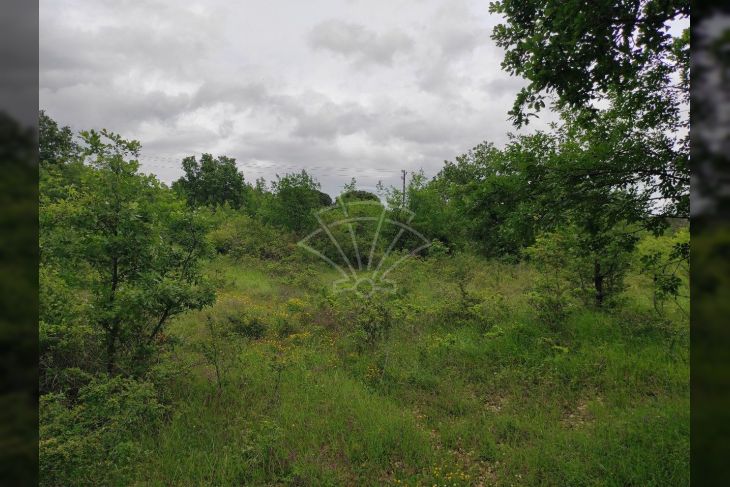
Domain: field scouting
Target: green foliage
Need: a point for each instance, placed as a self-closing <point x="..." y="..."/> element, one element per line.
<point x="252" y="327"/>
<point x="212" y="182"/>
<point x="138" y="249"/>
<point x="56" y="144"/>
<point x="553" y="294"/>
<point x="351" y="193"/>
<point x="240" y="235"/>
<point x="643" y="167"/>
<point x="324" y="199"/>
<point x="437" y="249"/>
<point x="96" y="438"/>
<point x="581" y="51"/>
<point x="369" y="319"/>
<point x="591" y="265"/>
<point x="294" y="199"/>
<point x="219" y="351"/>
<point x="665" y="259"/>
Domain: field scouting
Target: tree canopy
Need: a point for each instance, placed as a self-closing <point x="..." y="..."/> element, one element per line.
<point x="212" y="181"/>
<point x="583" y="50"/>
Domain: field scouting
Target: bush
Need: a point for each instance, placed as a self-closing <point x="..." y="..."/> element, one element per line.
<point x="553" y="292"/>
<point x="66" y="346"/>
<point x="240" y="235"/>
<point x="437" y="249"/>
<point x="354" y="234"/>
<point x="96" y="439"/>
<point x="368" y="318"/>
<point x="577" y="264"/>
<point x="65" y="337"/>
<point x="248" y="326"/>
<point x="666" y="260"/>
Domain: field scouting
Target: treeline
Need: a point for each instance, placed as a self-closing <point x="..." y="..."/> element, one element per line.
<point x="135" y="246"/>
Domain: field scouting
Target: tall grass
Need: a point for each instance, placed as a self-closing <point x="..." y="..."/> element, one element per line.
<point x="454" y="395"/>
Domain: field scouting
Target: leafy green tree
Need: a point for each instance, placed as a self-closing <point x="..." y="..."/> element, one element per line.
<point x="351" y="193"/>
<point x="608" y="179"/>
<point x="582" y="50"/>
<point x="358" y="195"/>
<point x="621" y="53"/>
<point x="56" y="144"/>
<point x="428" y="210"/>
<point x="295" y="198"/>
<point x="60" y="158"/>
<point x="134" y="246"/>
<point x="212" y="182"/>
<point x="324" y="199"/>
<point x="495" y="192"/>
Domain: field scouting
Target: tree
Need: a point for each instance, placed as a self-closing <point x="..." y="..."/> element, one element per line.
<point x="132" y="244"/>
<point x="492" y="194"/>
<point x="295" y="198"/>
<point x="324" y="198"/>
<point x="60" y="158"/>
<point x="56" y="144"/>
<point x="351" y="193"/>
<point x="608" y="180"/>
<point x="611" y="180"/>
<point x="212" y="182"/>
<point x="358" y="195"/>
<point x="621" y="53"/>
<point x="582" y="50"/>
<point x="428" y="210"/>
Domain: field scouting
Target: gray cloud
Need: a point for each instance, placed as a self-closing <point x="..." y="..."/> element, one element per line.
<point x="504" y="86"/>
<point x="355" y="41"/>
<point x="343" y="89"/>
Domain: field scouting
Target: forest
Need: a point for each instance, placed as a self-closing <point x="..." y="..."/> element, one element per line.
<point x="539" y="335"/>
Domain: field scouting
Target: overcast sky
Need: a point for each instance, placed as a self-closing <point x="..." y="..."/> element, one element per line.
<point x="358" y="88"/>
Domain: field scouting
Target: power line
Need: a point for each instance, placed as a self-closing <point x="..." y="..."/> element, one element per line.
<point x="175" y="163"/>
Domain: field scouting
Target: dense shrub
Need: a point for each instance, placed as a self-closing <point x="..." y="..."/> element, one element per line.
<point x="665" y="259"/>
<point x="368" y="319"/>
<point x="553" y="292"/>
<point x="355" y="236"/>
<point x="247" y="326"/>
<point x="66" y="339"/>
<point x="96" y="438"/>
<point x="240" y="235"/>
<point x="292" y="203"/>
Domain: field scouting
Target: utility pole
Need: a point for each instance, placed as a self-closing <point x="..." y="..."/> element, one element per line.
<point x="403" y="195"/>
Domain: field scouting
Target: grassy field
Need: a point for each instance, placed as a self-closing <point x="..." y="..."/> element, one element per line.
<point x="282" y="383"/>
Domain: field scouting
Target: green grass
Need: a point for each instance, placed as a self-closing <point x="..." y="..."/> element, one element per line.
<point x="498" y="400"/>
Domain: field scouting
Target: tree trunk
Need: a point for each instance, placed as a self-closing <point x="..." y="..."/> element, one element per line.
<point x="113" y="329"/>
<point x="111" y="351"/>
<point x="598" y="283"/>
